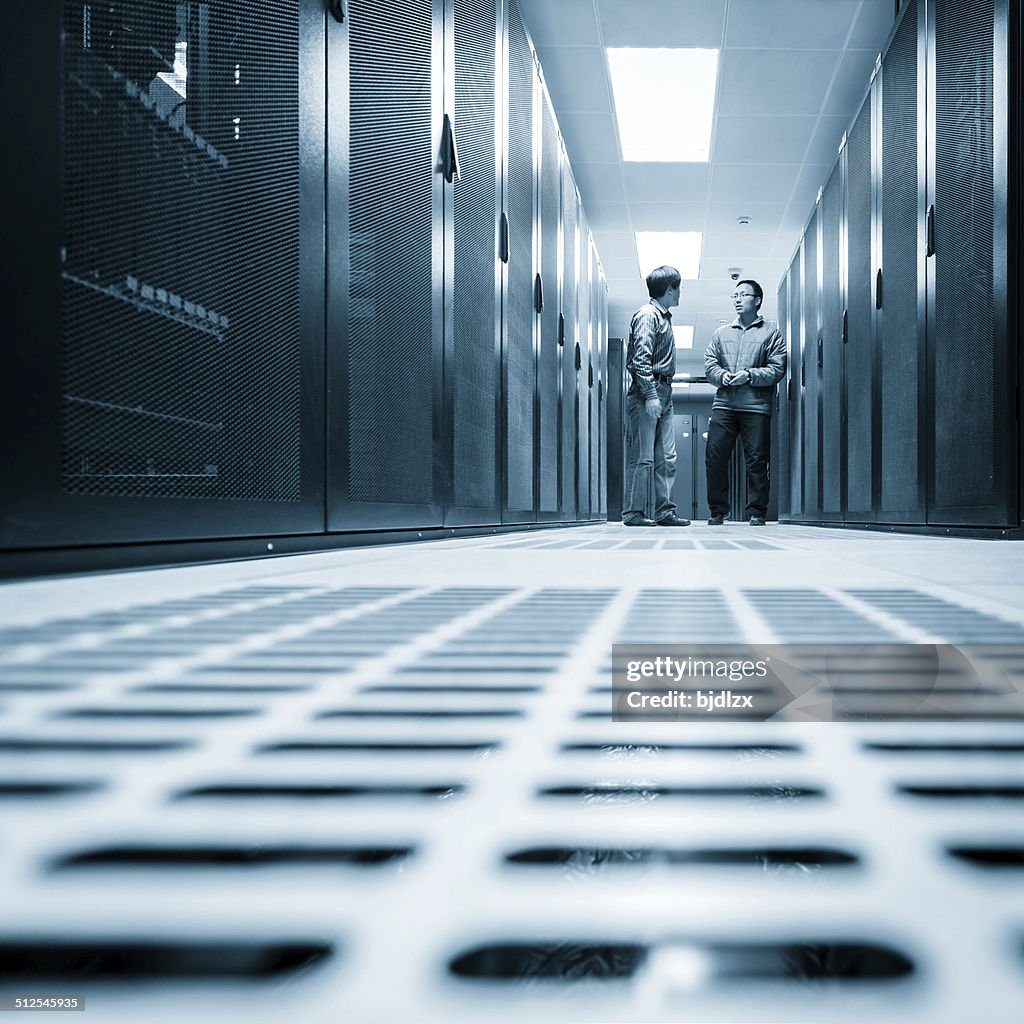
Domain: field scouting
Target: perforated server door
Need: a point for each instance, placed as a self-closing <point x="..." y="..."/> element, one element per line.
<point x="164" y="369"/>
<point x="810" y="411"/>
<point x="901" y="339"/>
<point x="781" y="455"/>
<point x="971" y="357"/>
<point x="386" y="460"/>
<point x="583" y="362"/>
<point x="519" y="364"/>
<point x="859" y="380"/>
<point x="602" y="399"/>
<point x="548" y="375"/>
<point x="592" y="373"/>
<point x="796" y="371"/>
<point x="570" y="337"/>
<point x="830" y="395"/>
<point x="472" y="315"/>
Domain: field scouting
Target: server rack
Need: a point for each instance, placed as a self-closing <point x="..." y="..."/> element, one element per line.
<point x="548" y="215"/>
<point x="928" y="380"/>
<point x="831" y="347"/>
<point x="810" y="407"/>
<point x="797" y="378"/>
<point x="582" y="362"/>
<point x="780" y="461"/>
<point x="569" y="341"/>
<point x="164" y="365"/>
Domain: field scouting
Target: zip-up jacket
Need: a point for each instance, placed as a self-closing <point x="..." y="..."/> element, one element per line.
<point x="759" y="348"/>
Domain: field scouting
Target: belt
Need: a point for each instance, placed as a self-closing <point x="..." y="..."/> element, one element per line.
<point x="663" y="378"/>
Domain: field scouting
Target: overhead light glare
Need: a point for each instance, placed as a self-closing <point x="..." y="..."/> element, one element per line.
<point x="684" y="337"/>
<point x="679" y="249"/>
<point x="664" y="102"/>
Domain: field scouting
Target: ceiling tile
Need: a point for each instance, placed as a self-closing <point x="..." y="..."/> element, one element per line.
<point x="668" y="182"/>
<point x="805" y="190"/>
<point x="739" y="245"/>
<point x="764" y="217"/>
<point x="667" y="216"/>
<point x="615" y="244"/>
<point x="577" y="79"/>
<point x="568" y="21"/>
<point x="825" y="144"/>
<point x="589" y="138"/>
<point x="851" y="83"/>
<point x="656" y="23"/>
<point x="779" y="82"/>
<point x="774" y="140"/>
<point x="873" y="25"/>
<point x="600" y="183"/>
<point x="790" y="24"/>
<point x="739" y="183"/>
<point x="621" y="268"/>
<point x="608" y="216"/>
<point x="716" y="269"/>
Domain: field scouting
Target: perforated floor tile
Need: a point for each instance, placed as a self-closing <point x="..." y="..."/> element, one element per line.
<point x="384" y="786"/>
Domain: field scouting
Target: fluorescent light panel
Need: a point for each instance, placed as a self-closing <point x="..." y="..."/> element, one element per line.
<point x="664" y="102"/>
<point x="679" y="249"/>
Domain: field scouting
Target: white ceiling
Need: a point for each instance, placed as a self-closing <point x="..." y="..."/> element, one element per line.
<point x="792" y="74"/>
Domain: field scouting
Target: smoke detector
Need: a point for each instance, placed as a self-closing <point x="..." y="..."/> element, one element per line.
<point x="743" y="220"/>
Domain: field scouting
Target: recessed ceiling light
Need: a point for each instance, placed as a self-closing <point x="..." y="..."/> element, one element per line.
<point x="679" y="249"/>
<point x="684" y="337"/>
<point x="664" y="102"/>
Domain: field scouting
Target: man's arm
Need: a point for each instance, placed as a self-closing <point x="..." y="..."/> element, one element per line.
<point x="645" y="328"/>
<point x="775" y="369"/>
<point x="715" y="372"/>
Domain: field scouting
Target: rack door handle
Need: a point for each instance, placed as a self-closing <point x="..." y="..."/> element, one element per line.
<point x="590" y="375"/>
<point x="821" y="353"/>
<point x="561" y="330"/>
<point x="930" y="221"/>
<point x="503" y="238"/>
<point x="579" y="357"/>
<point x="449" y="151"/>
<point x="846" y="326"/>
<point x="878" y="289"/>
<point x="337" y="10"/>
<point x="803" y="373"/>
<point x="538" y="293"/>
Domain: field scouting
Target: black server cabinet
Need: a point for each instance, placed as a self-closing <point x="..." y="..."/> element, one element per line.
<point x="797" y="377"/>
<point x="593" y="369"/>
<point x="519" y="363"/>
<point x="831" y="347"/>
<point x="386" y="460"/>
<point x="603" y="451"/>
<point x="569" y="336"/>
<point x="780" y="460"/>
<point x="165" y="342"/>
<point x="858" y="382"/>
<point x="971" y="344"/>
<point x="548" y="407"/>
<point x="810" y="411"/>
<point x="900" y="340"/>
<point x="472" y="339"/>
<point x="584" y="329"/>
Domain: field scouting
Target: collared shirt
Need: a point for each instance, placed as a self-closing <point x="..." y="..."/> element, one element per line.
<point x="651" y="349"/>
<point x="758" y="348"/>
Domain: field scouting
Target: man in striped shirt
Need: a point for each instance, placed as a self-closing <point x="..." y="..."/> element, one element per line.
<point x="651" y="361"/>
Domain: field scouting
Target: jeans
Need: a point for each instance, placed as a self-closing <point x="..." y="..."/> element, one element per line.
<point x="755" y="430"/>
<point x="652" y="451"/>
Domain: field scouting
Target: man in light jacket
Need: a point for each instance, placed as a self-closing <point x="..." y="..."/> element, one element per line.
<point x="745" y="360"/>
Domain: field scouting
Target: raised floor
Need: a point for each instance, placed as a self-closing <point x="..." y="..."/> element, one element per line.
<point x="383" y="785"/>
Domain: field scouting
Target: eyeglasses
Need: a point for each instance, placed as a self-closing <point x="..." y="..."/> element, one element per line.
<point x="744" y="295"/>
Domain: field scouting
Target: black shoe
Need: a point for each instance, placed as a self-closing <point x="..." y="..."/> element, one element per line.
<point x="757" y="520"/>
<point x="673" y="520"/>
<point x="639" y="521"/>
<point x="716" y="521"/>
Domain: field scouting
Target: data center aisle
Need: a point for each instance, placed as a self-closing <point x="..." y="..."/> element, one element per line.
<point x="383" y="785"/>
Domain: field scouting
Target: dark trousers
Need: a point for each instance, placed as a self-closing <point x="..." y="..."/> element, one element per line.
<point x="755" y="430"/>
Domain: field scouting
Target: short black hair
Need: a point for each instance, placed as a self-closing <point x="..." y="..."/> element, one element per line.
<point x="758" y="290"/>
<point x="660" y="280"/>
